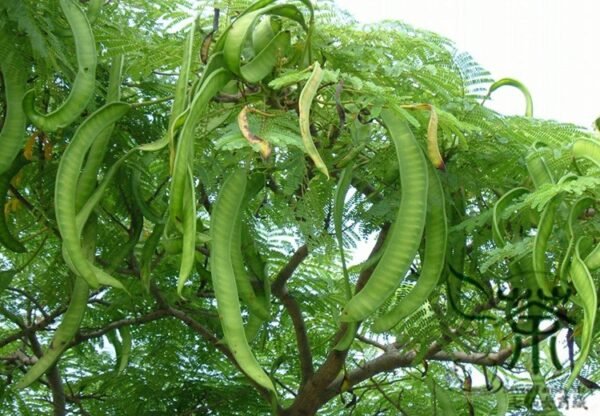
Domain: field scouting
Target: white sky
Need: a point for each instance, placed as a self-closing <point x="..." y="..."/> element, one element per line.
<point x="551" y="46"/>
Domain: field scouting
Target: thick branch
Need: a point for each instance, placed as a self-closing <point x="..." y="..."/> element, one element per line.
<point x="310" y="397"/>
<point x="279" y="289"/>
<point x="289" y="269"/>
<point x="394" y="359"/>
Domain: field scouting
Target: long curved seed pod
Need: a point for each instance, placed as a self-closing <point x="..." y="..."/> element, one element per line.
<point x="135" y="231"/>
<point x="405" y="235"/>
<point x="263" y="62"/>
<point x="148" y="252"/>
<point x="244" y="285"/>
<point x="84" y="85"/>
<point x="592" y="261"/>
<point x="95" y="156"/>
<point x="181" y="96"/>
<point x="64" y="333"/>
<point x="538" y="169"/>
<point x="433" y="148"/>
<point x="93" y="10"/>
<point x="587" y="149"/>
<point x="66" y="184"/>
<point x="227" y="206"/>
<point x="499" y="207"/>
<point x="588" y="300"/>
<point x="244" y="126"/>
<point x="456" y="250"/>
<point x="436" y="238"/>
<point x="185" y="147"/>
<point x="576" y="209"/>
<point x="306" y="98"/>
<point x="517" y="84"/>
<point x="148" y="211"/>
<point x="6" y="238"/>
<point x="264" y="32"/>
<point x="338" y="216"/>
<point x="125" y="348"/>
<point x="188" y="247"/>
<point x="12" y="135"/>
<point x="544" y="230"/>
<point x="256" y="266"/>
<point x="345" y="342"/>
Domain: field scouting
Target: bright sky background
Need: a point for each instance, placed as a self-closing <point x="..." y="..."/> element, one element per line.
<point x="552" y="46"/>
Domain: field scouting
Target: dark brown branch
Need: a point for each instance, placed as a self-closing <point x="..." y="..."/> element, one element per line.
<point x="280" y="290"/>
<point x="59" y="403"/>
<point x="311" y="395"/>
<point x="371" y="342"/>
<point x="286" y="272"/>
<point x="149" y="317"/>
<point x="394" y="359"/>
<point x="35" y="327"/>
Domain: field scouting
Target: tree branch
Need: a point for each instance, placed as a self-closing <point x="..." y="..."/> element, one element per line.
<point x="394" y="359"/>
<point x="149" y="317"/>
<point x="279" y="289"/>
<point x="215" y="342"/>
<point x="35" y="327"/>
<point x="310" y="397"/>
<point x="59" y="403"/>
<point x="288" y="270"/>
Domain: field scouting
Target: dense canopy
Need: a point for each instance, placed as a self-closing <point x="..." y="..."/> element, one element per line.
<point x="226" y="207"/>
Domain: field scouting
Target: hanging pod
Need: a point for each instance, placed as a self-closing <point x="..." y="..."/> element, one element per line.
<point x="541" y="175"/>
<point x="405" y="235"/>
<point x="343" y="186"/>
<point x="64" y="333"/>
<point x="433" y="262"/>
<point x="12" y="135"/>
<point x="538" y="169"/>
<point x="518" y="85"/>
<point x="306" y="98"/>
<point x="182" y="208"/>
<point x="95" y="155"/>
<point x="84" y="85"/>
<point x="540" y="244"/>
<point x="587" y="149"/>
<point x="66" y="185"/>
<point x="587" y="299"/>
<point x="576" y="210"/>
<point x="236" y="36"/>
<point x="433" y="148"/>
<point x="147" y="254"/>
<point x="223" y="223"/>
<point x="500" y="206"/>
<point x="184" y="153"/>
<point x="180" y="101"/>
<point x="244" y="284"/>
